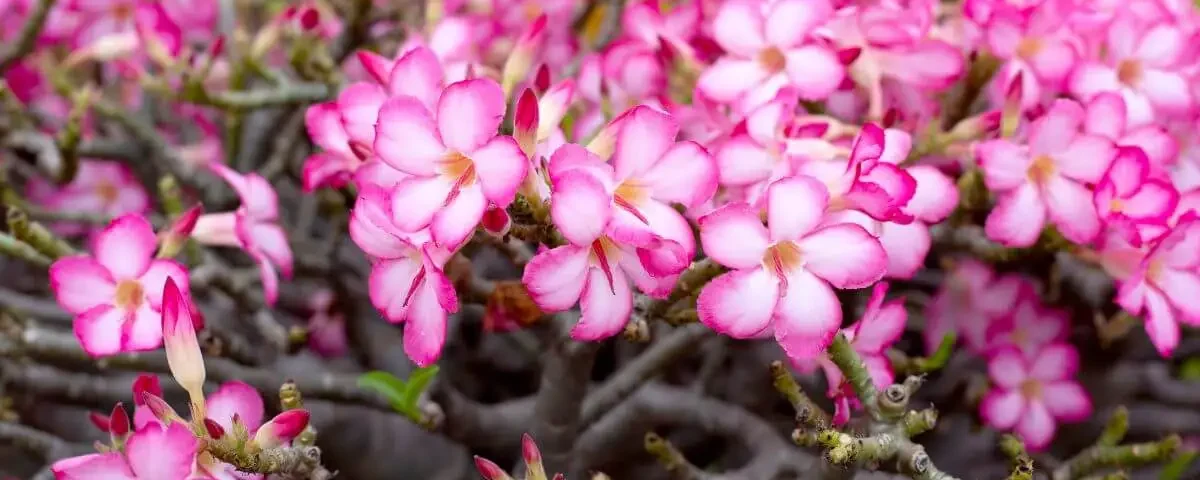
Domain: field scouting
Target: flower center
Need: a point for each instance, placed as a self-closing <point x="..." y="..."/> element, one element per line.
<point x="628" y="195"/>
<point x="772" y="59"/>
<point x="1116" y="205"/>
<point x="129" y="295"/>
<point x="1031" y="389"/>
<point x="531" y="9"/>
<point x="1019" y="336"/>
<point x="1129" y="72"/>
<point x="107" y="192"/>
<point x="459" y="167"/>
<point x="782" y="258"/>
<point x="122" y="11"/>
<point x="359" y="149"/>
<point x="1029" y="47"/>
<point x="602" y="250"/>
<point x="1041" y="169"/>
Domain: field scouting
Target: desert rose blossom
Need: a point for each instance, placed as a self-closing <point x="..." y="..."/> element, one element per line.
<point x="1107" y="116"/>
<point x="457" y="161"/>
<point x="646" y="21"/>
<point x="116" y="293"/>
<point x="407" y="284"/>
<point x="970" y="297"/>
<point x="326" y="326"/>
<point x="154" y="452"/>
<point x="1164" y="285"/>
<point x="783" y="272"/>
<point x="253" y="227"/>
<point x="880" y="326"/>
<point x="1031" y="395"/>
<point x="1028" y="326"/>
<point x="1130" y="202"/>
<point x="1035" y="43"/>
<point x="104" y="188"/>
<point x="1046" y="180"/>
<point x="768" y="46"/>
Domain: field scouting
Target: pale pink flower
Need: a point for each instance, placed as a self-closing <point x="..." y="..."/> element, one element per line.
<point x="758" y="152"/>
<point x="934" y="198"/>
<point x="326" y="326"/>
<point x="1107" y="117"/>
<point x="971" y="295"/>
<point x="104" y="188"/>
<point x="407" y="284"/>
<point x="880" y="326"/>
<point x="1130" y="202"/>
<point x="1164" y="285"/>
<point x="1036" y="41"/>
<point x="1143" y="64"/>
<point x="254" y="227"/>
<point x="632" y="73"/>
<point x="864" y="182"/>
<point x="769" y="45"/>
<point x="116" y="293"/>
<point x="458" y="162"/>
<point x="281" y="429"/>
<point x="1027" y="325"/>
<point x="1032" y="395"/>
<point x="151" y="453"/>
<point x="1046" y="179"/>
<point x="783" y="271"/>
<point x="645" y="21"/>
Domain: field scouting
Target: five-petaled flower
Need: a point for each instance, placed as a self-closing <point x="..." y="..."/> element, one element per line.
<point x="1033" y="394"/>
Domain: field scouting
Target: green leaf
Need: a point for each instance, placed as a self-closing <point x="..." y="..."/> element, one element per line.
<point x="418" y="381"/>
<point x="1177" y="467"/>
<point x="1190" y="370"/>
<point x="386" y="384"/>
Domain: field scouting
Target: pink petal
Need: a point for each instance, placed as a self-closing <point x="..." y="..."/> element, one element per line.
<point x="605" y="307"/>
<point x="935" y="197"/>
<point x="389" y="285"/>
<point x="325" y="169"/>
<point x="1086" y="158"/>
<point x="1057" y="129"/>
<point x="125" y="246"/>
<point x="685" y="174"/>
<point x="359" y="105"/>
<point x="418" y="74"/>
<point x="738" y="27"/>
<point x="844" y="255"/>
<point x="580" y="207"/>
<point x="269" y="278"/>
<point x="930" y="64"/>
<point x="1161" y="46"/>
<point x="99" y="330"/>
<point x="407" y="138"/>
<point x="729" y="78"/>
<point x="157" y="452"/>
<point x="1055" y="362"/>
<point x="1007" y="369"/>
<point x="882" y="325"/>
<point x="1092" y="78"/>
<point x="815" y="71"/>
<point x="658" y="287"/>
<point x="1069" y="205"/>
<point x="371" y="226"/>
<point x="416" y="200"/>
<point x="425" y="331"/>
<point x="80" y="283"/>
<point x="1036" y="427"/>
<point x="1106" y="115"/>
<point x="906" y="247"/>
<point x="375" y="65"/>
<point x="324" y="124"/>
<point x="1180" y="288"/>
<point x="235" y="398"/>
<point x="555" y="278"/>
<point x="1128" y="170"/>
<point x="1002" y="408"/>
<point x="795" y="206"/>
<point x="673" y="250"/>
<point x="451" y="39"/>
<point x="1067" y="401"/>
<point x="1005" y="164"/>
<point x="645" y="136"/>
<point x="455" y="223"/>
<point x="807" y="316"/>
<point x="142" y="331"/>
<point x="469" y="112"/>
<point x="96" y="466"/>
<point x="1168" y="91"/>
<point x="740" y="303"/>
<point x="1055" y="60"/>
<point x="1018" y="218"/>
<point x="742" y="161"/>
<point x="1161" y="325"/>
<point x="1160" y="147"/>
<point x="734" y="236"/>
<point x="1153" y="202"/>
<point x="790" y="21"/>
<point x="501" y="167"/>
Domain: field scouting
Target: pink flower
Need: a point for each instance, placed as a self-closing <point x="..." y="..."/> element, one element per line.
<point x="1130" y="202"/>
<point x="407" y="284"/>
<point x="1027" y="326"/>
<point x="863" y="182"/>
<point x="934" y="197"/>
<point x="1032" y="395"/>
<point x="281" y="429"/>
<point x="1036" y="40"/>
<point x="783" y="271"/>
<point x="645" y="21"/>
<point x="880" y="326"/>
<point x="326" y="327"/>
<point x="1164" y="285"/>
<point x="1142" y="63"/>
<point x="970" y="297"/>
<point x="770" y="45"/>
<point x="105" y="188"/>
<point x="116" y="294"/>
<point x="253" y="227"/>
<point x="151" y="453"/>
<point x="1047" y="177"/>
<point x="458" y="162"/>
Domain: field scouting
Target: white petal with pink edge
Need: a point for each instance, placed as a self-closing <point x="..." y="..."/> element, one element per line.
<point x="425" y="330"/>
<point x="501" y="167"/>
<point x="455" y="223"/>
<point x="795" y="206"/>
<point x="469" y="112"/>
<point x="407" y="137"/>
<point x="416" y="200"/>
<point x="729" y="78"/>
<point x="580" y="207"/>
<point x="789" y="22"/>
<point x="1069" y="206"/>
<point x="143" y="330"/>
<point x="686" y="174"/>
<point x="844" y="255"/>
<point x="742" y="161"/>
<point x="389" y="286"/>
<point x="235" y="398"/>
<point x="126" y="246"/>
<point x="99" y="330"/>
<point x="158" y="452"/>
<point x="1005" y="164"/>
<point x="1002" y="408"/>
<point x="644" y="136"/>
<point x="1036" y="427"/>
<point x="807" y="316"/>
<point x="815" y="71"/>
<point x="1007" y="369"/>
<point x="605" y="307"/>
<point x="555" y="278"/>
<point x="1018" y="218"/>
<point x="740" y="303"/>
<point x="80" y="283"/>
<point x="1067" y="401"/>
<point x="1058" y="361"/>
<point x="418" y="74"/>
<point x="739" y="27"/>
<point x="734" y="236"/>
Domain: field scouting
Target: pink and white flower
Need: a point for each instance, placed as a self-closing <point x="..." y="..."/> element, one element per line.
<point x="1143" y="64"/>
<point x="116" y="293"/>
<point x="1046" y="179"/>
<point x="1032" y="395"/>
<point x="457" y="161"/>
<point x="154" y="452"/>
<point x="104" y="188"/>
<point x="1164" y="285"/>
<point x="253" y="227"/>
<point x="783" y="271"/>
<point x="971" y="295"/>
<point x="1027" y="326"/>
<point x="407" y="284"/>
<point x="1130" y="202"/>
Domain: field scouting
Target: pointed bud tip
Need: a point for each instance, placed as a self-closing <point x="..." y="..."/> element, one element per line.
<point x="489" y="469"/>
<point x="214" y="429"/>
<point x="118" y="421"/>
<point x="100" y="421"/>
<point x="529" y="450"/>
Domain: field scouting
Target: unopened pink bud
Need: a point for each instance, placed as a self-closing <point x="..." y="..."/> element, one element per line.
<point x="541" y="79"/>
<point x="1013" y="96"/>
<point x="217" y="48"/>
<point x="159" y="407"/>
<point x="489" y="469"/>
<point x="281" y="429"/>
<point x="529" y="450"/>
<point x="525" y="121"/>
<point x="849" y="55"/>
<point x="179" y="338"/>
<point x="99" y="420"/>
<point x="496" y="221"/>
<point x="376" y="65"/>
<point x="118" y="422"/>
<point x="214" y="429"/>
<point x="145" y="383"/>
<point x="521" y="59"/>
<point x="309" y="19"/>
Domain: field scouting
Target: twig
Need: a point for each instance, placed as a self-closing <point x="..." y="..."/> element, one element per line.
<point x="292" y="93"/>
<point x="559" y="402"/>
<point x="847" y="360"/>
<point x="671" y="458"/>
<point x="1022" y="464"/>
<point x="27" y="38"/>
<point x="808" y="413"/>
<point x="1132" y="455"/>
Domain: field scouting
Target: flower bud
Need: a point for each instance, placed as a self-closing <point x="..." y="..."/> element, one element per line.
<point x="145" y="383"/>
<point x="118" y="421"/>
<point x="553" y="106"/>
<point x="525" y="122"/>
<point x="496" y="221"/>
<point x="541" y="79"/>
<point x="179" y="338"/>
<point x="174" y="238"/>
<point x="533" y="459"/>
<point x="1011" y="116"/>
<point x="159" y="407"/>
<point x="281" y="429"/>
<point x="521" y="59"/>
<point x="99" y="420"/>
<point x="214" y="429"/>
<point x="490" y="470"/>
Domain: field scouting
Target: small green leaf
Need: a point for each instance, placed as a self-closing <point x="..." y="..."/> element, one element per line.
<point x="418" y="381"/>
<point x="1175" y="469"/>
<point x="386" y="384"/>
<point x="1190" y="370"/>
